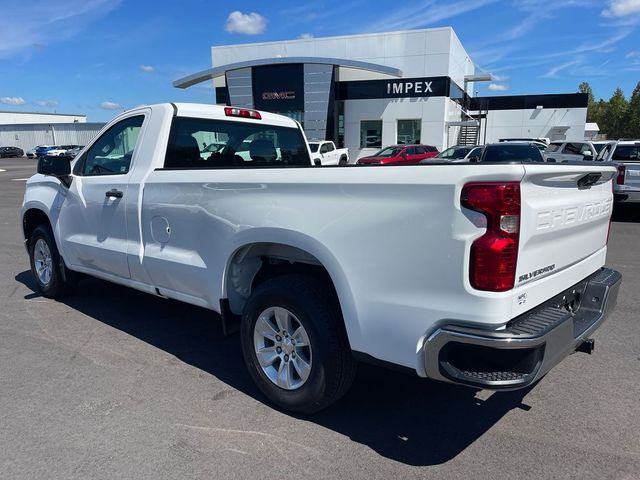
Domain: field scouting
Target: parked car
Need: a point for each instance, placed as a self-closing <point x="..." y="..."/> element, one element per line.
<point x="31" y="153"/>
<point x="563" y="151"/>
<point x="400" y="155"/>
<point x="43" y="150"/>
<point x="75" y="150"/>
<point x="326" y="153"/>
<point x="61" y="150"/>
<point x="11" y="152"/>
<point x="540" y="143"/>
<point x="473" y="276"/>
<point x="458" y="153"/>
<point x="520" y="152"/>
<point x="625" y="155"/>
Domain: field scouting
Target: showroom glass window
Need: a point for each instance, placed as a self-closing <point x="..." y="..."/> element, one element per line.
<point x="111" y="154"/>
<point x="371" y="134"/>
<point x="202" y="143"/>
<point x="408" y="131"/>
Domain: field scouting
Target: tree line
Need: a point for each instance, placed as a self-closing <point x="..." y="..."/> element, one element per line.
<point x="616" y="117"/>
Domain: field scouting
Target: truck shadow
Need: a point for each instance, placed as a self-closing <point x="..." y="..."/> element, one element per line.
<point x="399" y="416"/>
<point x="626" y="213"/>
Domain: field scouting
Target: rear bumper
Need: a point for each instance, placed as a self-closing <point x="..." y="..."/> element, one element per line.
<point x="530" y="345"/>
<point x="626" y="196"/>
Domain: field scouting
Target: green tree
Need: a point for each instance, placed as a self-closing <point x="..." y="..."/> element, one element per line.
<point x="615" y="116"/>
<point x="631" y="119"/>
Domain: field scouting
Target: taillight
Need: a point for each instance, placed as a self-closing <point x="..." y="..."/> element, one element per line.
<point x="495" y="254"/>
<point x="621" y="171"/>
<point x="242" y="112"/>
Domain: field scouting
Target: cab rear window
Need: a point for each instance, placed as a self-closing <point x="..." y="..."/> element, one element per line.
<point x="237" y="145"/>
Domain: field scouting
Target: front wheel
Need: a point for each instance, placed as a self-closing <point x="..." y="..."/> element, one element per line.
<point x="52" y="277"/>
<point x="343" y="161"/>
<point x="295" y="345"/>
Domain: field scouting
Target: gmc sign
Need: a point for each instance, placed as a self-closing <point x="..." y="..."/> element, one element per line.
<point x="278" y="95"/>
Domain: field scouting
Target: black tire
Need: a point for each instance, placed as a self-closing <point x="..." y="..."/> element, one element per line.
<point x="315" y="305"/>
<point x="343" y="161"/>
<point x="62" y="279"/>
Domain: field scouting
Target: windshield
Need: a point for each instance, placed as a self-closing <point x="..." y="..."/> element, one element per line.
<point x="214" y="147"/>
<point x="388" y="152"/>
<point x="626" y="153"/>
<point x="314" y="147"/>
<point x="455" y="152"/>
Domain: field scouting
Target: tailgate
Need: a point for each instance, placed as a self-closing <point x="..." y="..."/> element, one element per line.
<point x="564" y="217"/>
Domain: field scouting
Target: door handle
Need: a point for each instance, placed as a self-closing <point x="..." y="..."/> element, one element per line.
<point x="113" y="193"/>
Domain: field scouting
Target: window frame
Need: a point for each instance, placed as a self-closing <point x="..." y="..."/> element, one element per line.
<point x="365" y="137"/>
<point x="418" y="121"/>
<point x="78" y="166"/>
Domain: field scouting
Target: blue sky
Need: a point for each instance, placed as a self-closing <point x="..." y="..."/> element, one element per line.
<point x="101" y="56"/>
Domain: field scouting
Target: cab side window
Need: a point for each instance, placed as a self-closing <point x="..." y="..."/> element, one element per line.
<point x="111" y="154"/>
<point x="324" y="148"/>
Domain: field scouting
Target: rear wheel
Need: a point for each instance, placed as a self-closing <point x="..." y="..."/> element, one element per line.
<point x="52" y="277"/>
<point x="294" y="343"/>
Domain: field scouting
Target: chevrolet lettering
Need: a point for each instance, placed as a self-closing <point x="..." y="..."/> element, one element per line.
<point x="550" y="219"/>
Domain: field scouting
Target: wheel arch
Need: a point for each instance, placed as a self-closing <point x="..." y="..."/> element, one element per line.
<point x="247" y="259"/>
<point x="32" y="218"/>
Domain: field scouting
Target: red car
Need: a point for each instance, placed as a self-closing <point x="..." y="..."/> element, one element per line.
<point x="400" y="155"/>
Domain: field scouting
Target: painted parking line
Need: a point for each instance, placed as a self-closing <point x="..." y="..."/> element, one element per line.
<point x="1" y="170"/>
<point x="19" y="179"/>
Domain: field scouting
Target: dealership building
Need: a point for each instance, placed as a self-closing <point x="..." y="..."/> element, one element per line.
<point x="368" y="91"/>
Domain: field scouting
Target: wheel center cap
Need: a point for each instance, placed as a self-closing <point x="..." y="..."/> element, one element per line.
<point x="287" y="346"/>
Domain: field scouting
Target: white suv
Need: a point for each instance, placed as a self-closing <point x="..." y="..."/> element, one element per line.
<point x="625" y="154"/>
<point x="563" y="151"/>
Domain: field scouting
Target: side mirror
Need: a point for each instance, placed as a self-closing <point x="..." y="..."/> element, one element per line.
<point x="59" y="167"/>
<point x="475" y="158"/>
<point x="587" y="155"/>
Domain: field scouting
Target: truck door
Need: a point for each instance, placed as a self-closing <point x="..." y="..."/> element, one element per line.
<point x="92" y="223"/>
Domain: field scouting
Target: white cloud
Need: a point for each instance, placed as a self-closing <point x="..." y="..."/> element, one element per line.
<point x="633" y="54"/>
<point x="498" y="87"/>
<point x="621" y="8"/>
<point x="46" y="103"/>
<point x="245" y="23"/>
<point x="12" y="100"/>
<point x="499" y="78"/>
<point x="305" y="36"/>
<point x="147" y="68"/>
<point x="553" y="72"/>
<point x="110" y="106"/>
<point x="38" y="23"/>
<point x="426" y="13"/>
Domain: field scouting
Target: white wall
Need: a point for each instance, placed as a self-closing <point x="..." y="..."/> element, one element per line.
<point x="13" y="118"/>
<point x="431" y="110"/>
<point x="27" y="137"/>
<point x="418" y="53"/>
<point x="553" y="123"/>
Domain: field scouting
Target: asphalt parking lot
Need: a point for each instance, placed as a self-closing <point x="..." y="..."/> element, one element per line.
<point x="114" y="383"/>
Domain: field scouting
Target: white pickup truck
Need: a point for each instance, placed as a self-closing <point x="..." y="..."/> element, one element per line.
<point x="325" y="153"/>
<point x="625" y="156"/>
<point x="484" y="275"/>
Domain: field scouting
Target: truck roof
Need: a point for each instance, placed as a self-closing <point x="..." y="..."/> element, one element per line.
<point x="217" y="112"/>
